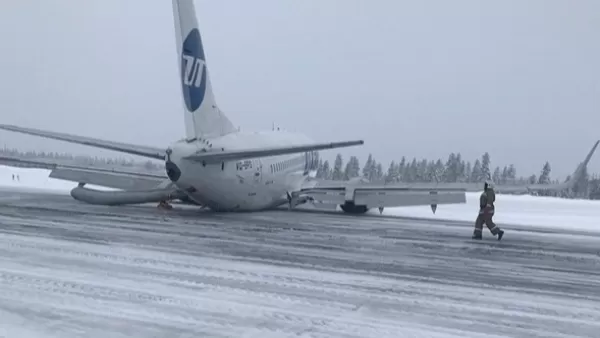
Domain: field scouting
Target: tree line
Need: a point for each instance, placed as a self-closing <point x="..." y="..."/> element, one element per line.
<point x="83" y="160"/>
<point x="455" y="169"/>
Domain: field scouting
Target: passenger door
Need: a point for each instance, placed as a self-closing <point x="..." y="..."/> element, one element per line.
<point x="249" y="171"/>
<point x="257" y="171"/>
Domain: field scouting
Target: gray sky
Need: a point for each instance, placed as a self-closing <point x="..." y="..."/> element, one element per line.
<point x="520" y="79"/>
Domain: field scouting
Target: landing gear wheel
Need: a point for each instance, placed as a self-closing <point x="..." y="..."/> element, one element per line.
<point x="164" y="205"/>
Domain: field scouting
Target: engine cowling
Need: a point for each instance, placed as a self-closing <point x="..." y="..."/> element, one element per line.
<point x="351" y="208"/>
<point x="123" y="197"/>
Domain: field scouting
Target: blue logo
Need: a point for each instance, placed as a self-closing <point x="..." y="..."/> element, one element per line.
<point x="193" y="71"/>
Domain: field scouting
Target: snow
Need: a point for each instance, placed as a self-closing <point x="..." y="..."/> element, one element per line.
<point x="58" y="278"/>
<point x="36" y="179"/>
<point x="524" y="210"/>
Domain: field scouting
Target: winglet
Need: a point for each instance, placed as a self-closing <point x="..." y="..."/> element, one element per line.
<point x="583" y="165"/>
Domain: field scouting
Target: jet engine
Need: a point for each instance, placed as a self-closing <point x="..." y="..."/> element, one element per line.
<point x="122" y="197"/>
<point x="351" y="208"/>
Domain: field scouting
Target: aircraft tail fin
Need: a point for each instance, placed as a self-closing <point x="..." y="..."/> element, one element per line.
<point x="580" y="170"/>
<point x="202" y="116"/>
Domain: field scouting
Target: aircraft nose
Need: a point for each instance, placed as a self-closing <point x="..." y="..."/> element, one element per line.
<point x="173" y="172"/>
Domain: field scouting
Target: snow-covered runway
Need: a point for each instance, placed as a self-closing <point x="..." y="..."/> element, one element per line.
<point x="74" y="270"/>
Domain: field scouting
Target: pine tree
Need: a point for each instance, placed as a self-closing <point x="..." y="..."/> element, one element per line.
<point x="352" y="168"/>
<point x="326" y="171"/>
<point x="504" y="176"/>
<point x="402" y="169"/>
<point x="461" y="166"/>
<point x="412" y="170"/>
<point x="379" y="171"/>
<point x="367" y="169"/>
<point x="320" y="169"/>
<point x="485" y="167"/>
<point x="421" y="171"/>
<point x="476" y="174"/>
<point x="338" y="173"/>
<point x="450" y="173"/>
<point x="512" y="172"/>
<point x="497" y="176"/>
<point x="462" y="169"/>
<point x="468" y="171"/>
<point x="545" y="175"/>
<point x="532" y="179"/>
<point x="372" y="173"/>
<point x="392" y="173"/>
<point x="438" y="172"/>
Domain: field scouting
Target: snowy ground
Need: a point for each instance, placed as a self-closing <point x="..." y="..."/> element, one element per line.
<point x="545" y="212"/>
<point x="36" y="180"/>
<point x="69" y="269"/>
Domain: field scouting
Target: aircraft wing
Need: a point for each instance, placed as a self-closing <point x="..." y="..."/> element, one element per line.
<point x="134" y="187"/>
<point x="231" y="155"/>
<point x="214" y="156"/>
<point x="575" y="177"/>
<point x="379" y="196"/>
<point x="524" y="189"/>
<point x="111" y="178"/>
<point x="149" y="152"/>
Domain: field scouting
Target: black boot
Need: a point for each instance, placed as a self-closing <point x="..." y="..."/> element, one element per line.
<point x="500" y="234"/>
<point x="477" y="235"/>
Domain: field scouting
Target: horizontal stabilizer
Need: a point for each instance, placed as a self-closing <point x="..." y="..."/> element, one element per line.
<point x="231" y="155"/>
<point x="149" y="152"/>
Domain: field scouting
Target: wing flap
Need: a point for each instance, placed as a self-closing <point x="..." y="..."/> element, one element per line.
<point x="231" y="155"/>
<point x="385" y="196"/>
<point x="395" y="198"/>
<point x="145" y="151"/>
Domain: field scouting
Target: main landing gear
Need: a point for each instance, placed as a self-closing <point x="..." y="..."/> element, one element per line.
<point x="164" y="205"/>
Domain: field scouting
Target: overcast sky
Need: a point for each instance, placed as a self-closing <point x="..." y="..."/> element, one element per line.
<point x="520" y="79"/>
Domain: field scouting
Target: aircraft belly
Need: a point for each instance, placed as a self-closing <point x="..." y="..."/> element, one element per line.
<point x="231" y="195"/>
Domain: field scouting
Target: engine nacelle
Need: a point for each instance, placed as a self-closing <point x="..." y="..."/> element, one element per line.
<point x="123" y="197"/>
<point x="351" y="208"/>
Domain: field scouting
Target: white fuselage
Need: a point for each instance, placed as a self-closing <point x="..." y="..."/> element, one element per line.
<point x="244" y="185"/>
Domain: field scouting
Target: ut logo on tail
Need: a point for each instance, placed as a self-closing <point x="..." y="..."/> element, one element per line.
<point x="193" y="71"/>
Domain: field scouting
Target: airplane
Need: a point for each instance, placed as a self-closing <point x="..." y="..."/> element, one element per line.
<point x="219" y="167"/>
